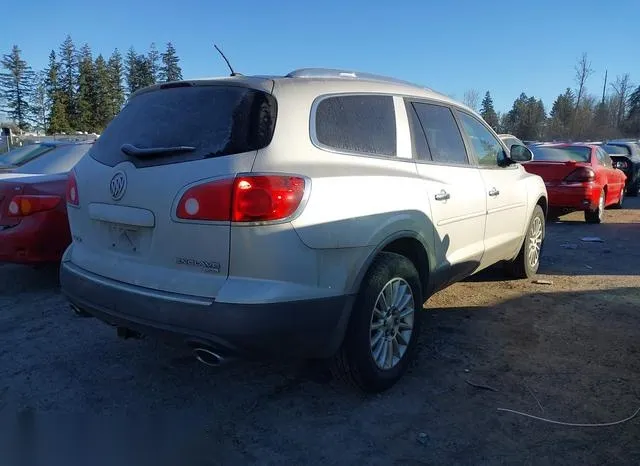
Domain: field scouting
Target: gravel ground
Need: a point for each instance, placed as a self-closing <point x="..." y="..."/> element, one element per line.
<point x="565" y="351"/>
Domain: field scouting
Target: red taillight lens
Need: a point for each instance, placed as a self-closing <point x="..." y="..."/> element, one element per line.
<point x="72" y="190"/>
<point x="22" y="206"/>
<point x="582" y="174"/>
<point x="251" y="198"/>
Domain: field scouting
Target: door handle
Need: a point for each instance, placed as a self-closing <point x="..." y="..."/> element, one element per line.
<point x="443" y="195"/>
<point x="494" y="192"/>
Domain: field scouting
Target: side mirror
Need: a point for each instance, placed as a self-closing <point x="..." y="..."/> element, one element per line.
<point x="520" y="153"/>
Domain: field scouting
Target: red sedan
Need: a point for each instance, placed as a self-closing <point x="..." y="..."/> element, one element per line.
<point x="33" y="215"/>
<point x="578" y="177"/>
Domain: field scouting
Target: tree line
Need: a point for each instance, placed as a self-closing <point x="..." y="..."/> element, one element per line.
<point x="77" y="92"/>
<point x="575" y="114"/>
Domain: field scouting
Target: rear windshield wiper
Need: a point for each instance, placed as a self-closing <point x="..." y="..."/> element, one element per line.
<point x="132" y="150"/>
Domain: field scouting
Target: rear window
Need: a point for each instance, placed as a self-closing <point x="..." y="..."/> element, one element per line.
<point x="214" y="121"/>
<point x="357" y="123"/>
<point x="613" y="149"/>
<point x="22" y="155"/>
<point x="561" y="154"/>
<point x="59" y="160"/>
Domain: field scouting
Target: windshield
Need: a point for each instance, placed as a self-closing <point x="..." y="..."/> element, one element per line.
<point x="615" y="149"/>
<point x="561" y="154"/>
<point x="22" y="155"/>
<point x="59" y="160"/>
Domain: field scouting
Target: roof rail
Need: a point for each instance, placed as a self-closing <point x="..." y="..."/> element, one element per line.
<point x="345" y="74"/>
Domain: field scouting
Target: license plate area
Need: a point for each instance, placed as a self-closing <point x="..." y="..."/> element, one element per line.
<point x="125" y="238"/>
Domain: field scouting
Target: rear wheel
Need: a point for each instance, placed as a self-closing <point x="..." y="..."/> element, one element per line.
<point x="384" y="326"/>
<point x="597" y="215"/>
<point x="528" y="261"/>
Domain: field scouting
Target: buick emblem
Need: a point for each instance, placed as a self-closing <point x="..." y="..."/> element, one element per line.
<point x="118" y="186"/>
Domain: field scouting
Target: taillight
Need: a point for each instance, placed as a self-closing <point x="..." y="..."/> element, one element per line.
<point x="72" y="190"/>
<point x="247" y="198"/>
<point x="24" y="205"/>
<point x="582" y="174"/>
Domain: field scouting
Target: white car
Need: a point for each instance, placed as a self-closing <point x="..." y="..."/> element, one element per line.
<point x="306" y="215"/>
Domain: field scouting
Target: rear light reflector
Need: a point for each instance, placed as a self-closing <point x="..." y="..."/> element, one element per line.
<point x="582" y="174"/>
<point x="22" y="206"/>
<point x="247" y="198"/>
<point x="72" y="190"/>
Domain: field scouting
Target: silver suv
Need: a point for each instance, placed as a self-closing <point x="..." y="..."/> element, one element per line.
<point x="306" y="215"/>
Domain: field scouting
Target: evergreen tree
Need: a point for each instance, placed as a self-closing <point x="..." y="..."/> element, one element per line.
<point x="133" y="81"/>
<point x="68" y="75"/>
<point x="154" y="62"/>
<point x="144" y="69"/>
<point x="57" y="121"/>
<point x="38" y="105"/>
<point x="87" y="91"/>
<point x="561" y="114"/>
<point x="527" y="117"/>
<point x="489" y="113"/>
<point x="170" y="70"/>
<point x="103" y="100"/>
<point x="16" y="87"/>
<point x="116" y="89"/>
<point x="632" y="122"/>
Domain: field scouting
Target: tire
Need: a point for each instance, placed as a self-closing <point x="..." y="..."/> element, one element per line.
<point x="632" y="190"/>
<point x="355" y="362"/>
<point x="524" y="266"/>
<point x="618" y="205"/>
<point x="596" y="216"/>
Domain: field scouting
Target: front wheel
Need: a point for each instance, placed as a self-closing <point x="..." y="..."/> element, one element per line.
<point x="618" y="205"/>
<point x="597" y="215"/>
<point x="528" y="261"/>
<point x="384" y="326"/>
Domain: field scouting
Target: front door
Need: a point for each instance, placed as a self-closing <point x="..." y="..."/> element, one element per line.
<point x="505" y="192"/>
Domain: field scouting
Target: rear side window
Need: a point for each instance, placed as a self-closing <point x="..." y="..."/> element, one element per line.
<point x="211" y="121"/>
<point x="60" y="160"/>
<point x="357" y="123"/>
<point x="443" y="134"/>
<point x="615" y="149"/>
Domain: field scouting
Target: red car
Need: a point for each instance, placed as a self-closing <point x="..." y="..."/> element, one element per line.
<point x="578" y="177"/>
<point x="33" y="215"/>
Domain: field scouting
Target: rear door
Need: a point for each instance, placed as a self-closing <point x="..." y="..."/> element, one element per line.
<point x="613" y="178"/>
<point x="504" y="189"/>
<point x="455" y="190"/>
<point x="163" y="142"/>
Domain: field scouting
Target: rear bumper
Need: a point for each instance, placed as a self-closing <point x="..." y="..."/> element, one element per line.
<point x="573" y="196"/>
<point x="39" y="238"/>
<point x="310" y="328"/>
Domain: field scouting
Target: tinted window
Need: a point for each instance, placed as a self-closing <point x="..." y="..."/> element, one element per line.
<point x="214" y="120"/>
<point x="443" y="135"/>
<point x="22" y="155"/>
<point x="59" y="160"/>
<point x="612" y="149"/>
<point x="561" y="154"/>
<point x="487" y="148"/>
<point x="357" y="123"/>
<point x="419" y="142"/>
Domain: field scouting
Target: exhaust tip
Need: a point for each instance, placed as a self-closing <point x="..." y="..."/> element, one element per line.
<point x="208" y="357"/>
<point x="79" y="312"/>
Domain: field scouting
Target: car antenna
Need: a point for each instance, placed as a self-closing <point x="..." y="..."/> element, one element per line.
<point x="233" y="73"/>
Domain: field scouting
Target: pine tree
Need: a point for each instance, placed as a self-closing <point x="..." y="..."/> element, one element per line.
<point x="16" y="87"/>
<point x="632" y="122"/>
<point x="133" y="81"/>
<point x="87" y="91"/>
<point x="57" y="121"/>
<point x="170" y="70"/>
<point x="38" y="110"/>
<point x="489" y="113"/>
<point x="68" y="75"/>
<point x="103" y="100"/>
<point x="562" y="113"/>
<point x="144" y="69"/>
<point x="116" y="89"/>
<point x="154" y="62"/>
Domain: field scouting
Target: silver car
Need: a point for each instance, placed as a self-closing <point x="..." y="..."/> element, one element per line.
<point x="307" y="215"/>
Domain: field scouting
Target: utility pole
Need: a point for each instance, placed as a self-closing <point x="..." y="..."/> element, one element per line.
<point x="604" y="88"/>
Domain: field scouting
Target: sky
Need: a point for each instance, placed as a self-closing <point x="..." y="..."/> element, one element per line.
<point x="505" y="47"/>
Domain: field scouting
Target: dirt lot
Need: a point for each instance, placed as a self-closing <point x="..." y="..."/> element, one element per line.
<point x="566" y="351"/>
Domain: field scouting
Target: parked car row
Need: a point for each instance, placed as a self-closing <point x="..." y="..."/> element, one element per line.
<point x="307" y="215"/>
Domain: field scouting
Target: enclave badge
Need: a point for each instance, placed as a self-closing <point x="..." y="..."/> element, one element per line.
<point x="118" y="186"/>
